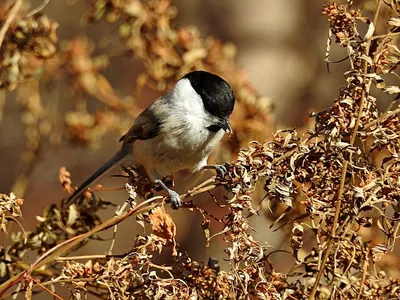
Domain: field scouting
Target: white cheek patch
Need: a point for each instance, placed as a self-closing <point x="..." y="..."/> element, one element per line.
<point x="190" y="117"/>
<point x="187" y="100"/>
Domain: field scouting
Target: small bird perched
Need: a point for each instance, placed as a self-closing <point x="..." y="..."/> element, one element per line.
<point x="176" y="132"/>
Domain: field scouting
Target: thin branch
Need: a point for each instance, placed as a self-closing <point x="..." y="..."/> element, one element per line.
<point x="117" y="213"/>
<point x="2" y="104"/>
<point x="202" y="211"/>
<point x="388" y="114"/>
<point x="92" y="256"/>
<point x="46" y="289"/>
<point x="162" y="268"/>
<point x="68" y="245"/>
<point x="10" y="18"/>
<point x="364" y="277"/>
<point x="346" y="164"/>
<point x="55" y="252"/>
<point x="38" y="9"/>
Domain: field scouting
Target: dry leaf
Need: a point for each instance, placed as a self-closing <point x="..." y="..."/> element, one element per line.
<point x="163" y="226"/>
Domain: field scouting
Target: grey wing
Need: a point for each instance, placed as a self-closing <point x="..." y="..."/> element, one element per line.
<point x="147" y="125"/>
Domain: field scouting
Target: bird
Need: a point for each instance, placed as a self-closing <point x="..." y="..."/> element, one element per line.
<point x="178" y="131"/>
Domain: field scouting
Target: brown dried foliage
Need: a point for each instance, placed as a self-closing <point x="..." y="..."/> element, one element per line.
<point x="10" y="209"/>
<point x="338" y="183"/>
<point x="29" y="42"/>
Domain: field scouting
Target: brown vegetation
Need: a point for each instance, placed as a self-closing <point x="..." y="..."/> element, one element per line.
<point x="334" y="188"/>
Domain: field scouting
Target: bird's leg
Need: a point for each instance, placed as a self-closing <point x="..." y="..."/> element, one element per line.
<point x="173" y="196"/>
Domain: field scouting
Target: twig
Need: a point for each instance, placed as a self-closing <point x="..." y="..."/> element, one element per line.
<point x="2" y="104"/>
<point x="204" y="183"/>
<point x="17" y="291"/>
<point x="202" y="211"/>
<point x="345" y="164"/>
<point x="55" y="252"/>
<point x="46" y="289"/>
<point x="199" y="191"/>
<point x="38" y="9"/>
<point x="162" y="268"/>
<point x="94" y="256"/>
<point x="10" y="18"/>
<point x="390" y="34"/>
<point x="117" y="213"/>
<point x="67" y="245"/>
<point x="364" y="277"/>
<point x="388" y="114"/>
<point x="19" y="224"/>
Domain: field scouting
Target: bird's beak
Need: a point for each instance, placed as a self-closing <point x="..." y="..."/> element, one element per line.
<point x="226" y="126"/>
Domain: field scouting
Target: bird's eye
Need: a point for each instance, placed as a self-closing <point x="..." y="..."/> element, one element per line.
<point x="214" y="128"/>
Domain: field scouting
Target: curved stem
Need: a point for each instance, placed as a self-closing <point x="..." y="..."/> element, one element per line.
<point x="340" y="193"/>
<point x="11" y="16"/>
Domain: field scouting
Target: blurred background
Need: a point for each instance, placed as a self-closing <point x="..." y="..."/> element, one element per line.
<point x="279" y="47"/>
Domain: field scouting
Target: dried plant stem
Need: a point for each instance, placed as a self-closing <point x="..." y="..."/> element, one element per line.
<point x="55" y="252"/>
<point x="203" y="211"/>
<point x="2" y="104"/>
<point x="10" y="18"/>
<point x="38" y="9"/>
<point x="162" y="268"/>
<point x="391" y="34"/>
<point x="46" y="289"/>
<point x="365" y="91"/>
<point x="91" y="256"/>
<point x="197" y="191"/>
<point x="204" y="183"/>
<point x="389" y="113"/>
<point x="364" y="277"/>
<point x="117" y="213"/>
<point x="68" y="245"/>
<point x="84" y="257"/>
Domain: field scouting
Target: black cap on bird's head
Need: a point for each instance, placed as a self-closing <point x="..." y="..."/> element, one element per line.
<point x="217" y="95"/>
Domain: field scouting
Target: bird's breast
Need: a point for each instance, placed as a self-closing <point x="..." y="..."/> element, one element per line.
<point x="175" y="150"/>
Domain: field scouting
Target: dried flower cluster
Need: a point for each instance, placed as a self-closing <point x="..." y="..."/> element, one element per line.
<point x="338" y="183"/>
<point x="10" y="209"/>
<point x="343" y="22"/>
<point x="29" y="42"/>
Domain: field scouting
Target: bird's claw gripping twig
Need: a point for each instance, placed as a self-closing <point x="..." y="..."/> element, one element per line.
<point x="220" y="169"/>
<point x="173" y="196"/>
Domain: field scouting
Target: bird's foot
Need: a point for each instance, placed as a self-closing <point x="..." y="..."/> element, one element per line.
<point x="175" y="199"/>
<point x="220" y="169"/>
<point x="173" y="196"/>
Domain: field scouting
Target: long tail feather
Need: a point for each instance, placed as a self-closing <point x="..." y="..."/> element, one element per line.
<point x="96" y="175"/>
